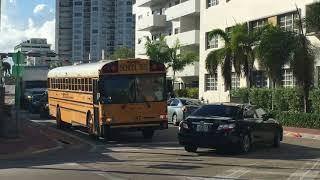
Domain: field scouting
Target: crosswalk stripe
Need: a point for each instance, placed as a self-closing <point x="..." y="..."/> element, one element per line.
<point x="306" y="173"/>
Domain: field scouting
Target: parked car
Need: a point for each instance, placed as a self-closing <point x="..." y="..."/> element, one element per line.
<point x="233" y="126"/>
<point x="31" y="95"/>
<point x="180" y="108"/>
<point x="38" y="103"/>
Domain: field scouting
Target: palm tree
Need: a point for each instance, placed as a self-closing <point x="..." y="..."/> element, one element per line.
<point x="238" y="52"/>
<point x="175" y="57"/>
<point x="223" y="57"/>
<point x="158" y="50"/>
<point x="179" y="58"/>
<point x="274" y="51"/>
<point x="313" y="17"/>
<point x="302" y="62"/>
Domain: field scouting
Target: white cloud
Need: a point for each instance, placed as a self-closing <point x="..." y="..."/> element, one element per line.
<point x="39" y="8"/>
<point x="12" y="36"/>
<point x="13" y="1"/>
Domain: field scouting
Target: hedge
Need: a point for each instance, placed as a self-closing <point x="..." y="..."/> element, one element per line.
<point x="315" y="100"/>
<point x="188" y="93"/>
<point x="283" y="99"/>
<point x="294" y="119"/>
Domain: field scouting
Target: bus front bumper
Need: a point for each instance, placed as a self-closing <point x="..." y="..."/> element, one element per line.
<point x="157" y="125"/>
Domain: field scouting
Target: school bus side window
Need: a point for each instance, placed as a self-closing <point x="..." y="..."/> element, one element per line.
<point x="86" y="84"/>
<point x="90" y="85"/>
<point x="82" y="85"/>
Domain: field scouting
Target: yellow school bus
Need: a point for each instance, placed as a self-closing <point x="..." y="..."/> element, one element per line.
<point x="107" y="96"/>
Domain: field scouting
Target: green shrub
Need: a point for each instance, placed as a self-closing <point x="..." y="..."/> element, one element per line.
<point x="294" y="119"/>
<point x="288" y="99"/>
<point x="315" y="100"/>
<point x="193" y="93"/>
<point x="188" y="93"/>
<point x="283" y="99"/>
<point x="261" y="98"/>
<point x="242" y="94"/>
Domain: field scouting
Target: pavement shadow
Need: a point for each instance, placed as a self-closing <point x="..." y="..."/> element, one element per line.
<point x="285" y="152"/>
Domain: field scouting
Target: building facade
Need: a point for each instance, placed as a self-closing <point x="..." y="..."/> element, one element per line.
<point x="91" y="30"/>
<point x="36" y="45"/>
<point x="176" y="20"/>
<point x="225" y="14"/>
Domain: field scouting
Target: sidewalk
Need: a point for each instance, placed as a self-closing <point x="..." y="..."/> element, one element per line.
<point x="302" y="133"/>
<point x="31" y="140"/>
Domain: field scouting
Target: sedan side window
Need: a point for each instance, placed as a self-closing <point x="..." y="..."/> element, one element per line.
<point x="260" y="112"/>
<point x="249" y="113"/>
<point x="175" y="102"/>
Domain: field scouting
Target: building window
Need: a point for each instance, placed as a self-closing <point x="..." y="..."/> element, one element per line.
<point x="260" y="79"/>
<point x="211" y="82"/>
<point x="212" y="3"/>
<point x="259" y="24"/>
<point x="212" y="42"/>
<point x="176" y="30"/>
<point x="287" y="22"/>
<point x="235" y="81"/>
<point x="288" y="80"/>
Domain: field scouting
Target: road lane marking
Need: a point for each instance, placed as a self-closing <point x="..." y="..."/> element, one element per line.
<point x="306" y="173"/>
<point x="311" y="172"/>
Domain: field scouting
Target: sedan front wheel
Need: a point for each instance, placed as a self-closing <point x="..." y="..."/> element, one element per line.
<point x="245" y="144"/>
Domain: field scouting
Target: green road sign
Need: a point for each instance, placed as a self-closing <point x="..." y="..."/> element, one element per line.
<point x="18" y="59"/>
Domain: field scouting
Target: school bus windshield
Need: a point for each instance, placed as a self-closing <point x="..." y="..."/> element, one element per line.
<point x="133" y="89"/>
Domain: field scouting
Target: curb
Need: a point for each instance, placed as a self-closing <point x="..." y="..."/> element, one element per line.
<point x="301" y="135"/>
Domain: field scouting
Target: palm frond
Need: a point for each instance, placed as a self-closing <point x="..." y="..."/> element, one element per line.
<point x="219" y="33"/>
<point x="214" y="59"/>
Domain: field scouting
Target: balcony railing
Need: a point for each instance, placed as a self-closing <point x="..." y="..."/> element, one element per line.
<point x="186" y="8"/>
<point x="185" y="38"/>
<point x="148" y="23"/>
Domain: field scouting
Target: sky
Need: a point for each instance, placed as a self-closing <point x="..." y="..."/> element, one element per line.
<point x="25" y="19"/>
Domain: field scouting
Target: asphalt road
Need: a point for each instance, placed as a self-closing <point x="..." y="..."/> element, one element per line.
<point x="129" y="156"/>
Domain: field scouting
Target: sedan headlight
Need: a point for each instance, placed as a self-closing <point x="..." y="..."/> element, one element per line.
<point x="226" y="127"/>
<point x="29" y="97"/>
<point x="183" y="125"/>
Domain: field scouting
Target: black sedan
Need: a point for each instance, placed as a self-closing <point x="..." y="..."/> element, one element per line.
<point x="233" y="126"/>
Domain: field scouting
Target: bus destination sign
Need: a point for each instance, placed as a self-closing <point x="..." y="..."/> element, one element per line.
<point x="132" y="66"/>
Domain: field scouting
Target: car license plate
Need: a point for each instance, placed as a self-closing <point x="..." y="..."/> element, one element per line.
<point x="202" y="128"/>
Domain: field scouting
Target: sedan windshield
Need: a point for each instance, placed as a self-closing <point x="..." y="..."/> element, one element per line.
<point x="217" y="111"/>
<point x="133" y="89"/>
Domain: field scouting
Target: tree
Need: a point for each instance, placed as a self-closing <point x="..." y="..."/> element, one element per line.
<point x="123" y="53"/>
<point x="278" y="47"/>
<point x="274" y="51"/>
<point x="238" y="52"/>
<point x="158" y="50"/>
<point x="302" y="62"/>
<point x="313" y="17"/>
<point x="179" y="58"/>
<point x="175" y="57"/>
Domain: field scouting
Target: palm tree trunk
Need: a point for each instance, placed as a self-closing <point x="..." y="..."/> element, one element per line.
<point x="173" y="78"/>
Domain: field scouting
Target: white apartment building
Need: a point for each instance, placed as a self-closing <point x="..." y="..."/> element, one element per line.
<point x="223" y="14"/>
<point x="176" y="20"/>
<point x="36" y="45"/>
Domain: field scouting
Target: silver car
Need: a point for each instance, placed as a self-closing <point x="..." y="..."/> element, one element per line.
<point x="180" y="108"/>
